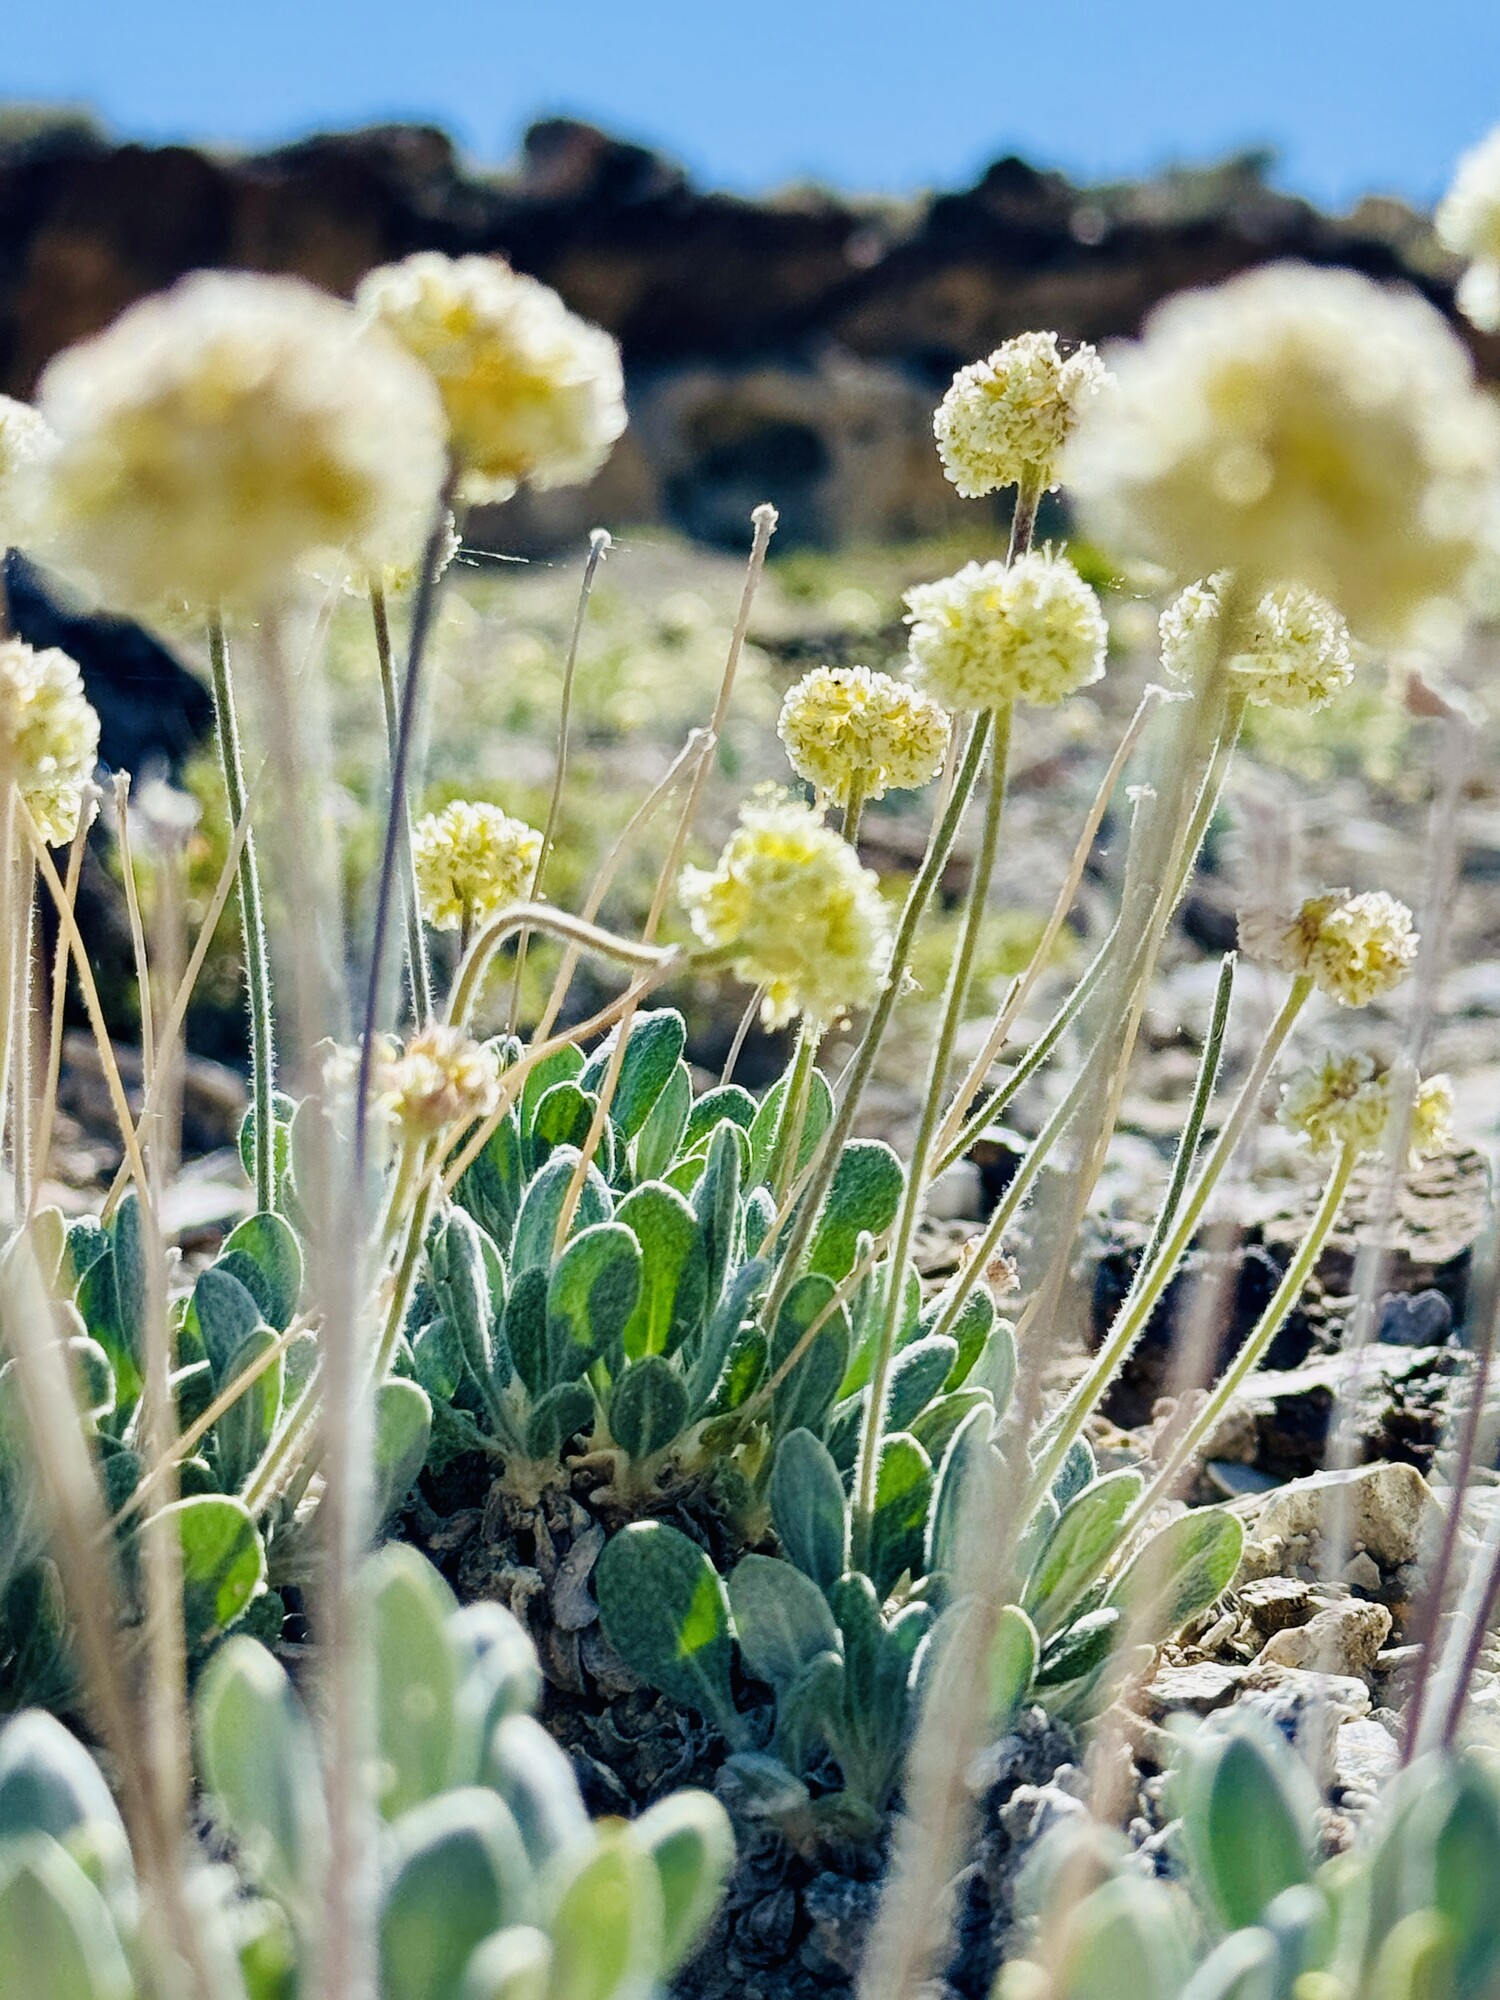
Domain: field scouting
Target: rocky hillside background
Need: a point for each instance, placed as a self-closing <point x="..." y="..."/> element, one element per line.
<point x="791" y="346"/>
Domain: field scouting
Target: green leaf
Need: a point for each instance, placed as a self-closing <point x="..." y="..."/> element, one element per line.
<point x="660" y="1139"/>
<point x="535" y="1779"/>
<point x="57" y="1939"/>
<point x="918" y="1373"/>
<point x="863" y="1196"/>
<point x="1125" y="1938"/>
<point x="674" y="1270"/>
<point x="403" y="1430"/>
<point x="808" y="1507"/>
<point x="725" y="1100"/>
<point x="768" y="1120"/>
<point x="1180" y="1570"/>
<point x="490" y="1189"/>
<point x="1465" y="1870"/>
<point x="226" y="1314"/>
<point x="267" y="1259"/>
<point x="1241" y="1967"/>
<point x="499" y="1675"/>
<point x="49" y="1784"/>
<point x="563" y="1065"/>
<point x="664" y="1611"/>
<point x="806" y="1396"/>
<point x="688" y="1836"/>
<point x="903" y="1497"/>
<point x="657" y="1039"/>
<point x="781" y="1619"/>
<point x="564" y="1118"/>
<point x="526" y="1329"/>
<point x="591" y="1295"/>
<point x="1014" y="1652"/>
<point x="556" y="1417"/>
<point x="244" y="1430"/>
<point x="417" y="1672"/>
<point x="223" y="1562"/>
<point x="514" y="1964"/>
<point x="719" y="1336"/>
<point x="972" y="1328"/>
<point x="260" y="1764"/>
<point x="461" y="1285"/>
<point x="808" y="1713"/>
<point x="460" y="1874"/>
<point x="934" y="1429"/>
<point x="716" y="1204"/>
<point x="542" y="1204"/>
<point x="649" y="1407"/>
<point x="1249" y="1811"/>
<point x="1079" y="1547"/>
<point x="1077" y="1470"/>
<point x="283" y="1113"/>
<point x="1080" y="1650"/>
<point x="608" y="1929"/>
<point x="969" y="1440"/>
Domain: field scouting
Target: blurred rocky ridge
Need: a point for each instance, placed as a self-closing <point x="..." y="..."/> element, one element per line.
<point x="792" y="346"/>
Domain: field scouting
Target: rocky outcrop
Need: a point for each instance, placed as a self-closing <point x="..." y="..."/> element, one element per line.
<point x="790" y="347"/>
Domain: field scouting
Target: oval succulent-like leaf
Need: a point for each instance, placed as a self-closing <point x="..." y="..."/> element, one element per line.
<point x="805" y="1397"/>
<point x="863" y="1197"/>
<point x="716" y="1203"/>
<point x="57" y="1938"/>
<point x="1079" y="1547"/>
<point x="461" y="1285"/>
<point x="649" y="1406"/>
<point x="608" y="1928"/>
<point x="1079" y="1650"/>
<point x="265" y="1256"/>
<point x="535" y="1779"/>
<point x="1014" y="1653"/>
<point x="244" y="1429"/>
<point x="918" y="1373"/>
<point x="49" y="1784"/>
<point x="459" y="1874"/>
<point x="514" y="1964"/>
<point x="563" y="1118"/>
<point x="591" y="1295"/>
<point x="707" y="1357"/>
<point x="1180" y="1571"/>
<point x="781" y="1619"/>
<point x="663" y="1608"/>
<point x="726" y="1100"/>
<point x="657" y="1038"/>
<point x="542" y="1204"/>
<point x="903" y="1499"/>
<point x="223" y="1562"/>
<point x="490" y="1188"/>
<point x="227" y="1314"/>
<point x="674" y="1270"/>
<point x="563" y="1065"/>
<point x="660" y="1139"/>
<point x="403" y="1430"/>
<point x="767" y="1123"/>
<point x="1249" y="1810"/>
<point x="688" y="1836"/>
<point x="808" y="1507"/>
<point x="418" y="1667"/>
<point x="970" y="1438"/>
<point x="260" y="1764"/>
<point x="1124" y="1938"/>
<point x="556" y="1417"/>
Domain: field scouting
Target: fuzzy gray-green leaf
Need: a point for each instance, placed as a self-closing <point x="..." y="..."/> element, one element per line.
<point x="649" y="1406"/>
<point x="808" y="1507"/>
<point x="665" y="1613"/>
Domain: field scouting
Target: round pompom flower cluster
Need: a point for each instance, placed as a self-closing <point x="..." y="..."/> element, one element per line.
<point x="24" y="438"/>
<point x="849" y="730"/>
<point x="532" y="392"/>
<point x="1005" y="419"/>
<point x="471" y="861"/>
<point x="1468" y="221"/>
<point x="221" y="433"/>
<point x="1297" y="425"/>
<point x="1344" y="1101"/>
<point x="791" y="905"/>
<point x="49" y="735"/>
<point x="440" y="1080"/>
<point x="1293" y="651"/>
<point x="995" y="633"/>
<point x="1354" y="948"/>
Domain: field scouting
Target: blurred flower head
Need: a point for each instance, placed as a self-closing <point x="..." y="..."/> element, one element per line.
<point x="1293" y="650"/>
<point x="533" y="394"/>
<point x="1297" y="425"/>
<point x="1005" y="419"/>
<point x="471" y="861"/>
<point x="441" y="1080"/>
<point x="49" y="736"/>
<point x="24" y="437"/>
<point x="1468" y="221"/>
<point x="799" y="915"/>
<point x="1344" y="1101"/>
<point x="219" y="434"/>
<point x="847" y="729"/>
<point x="1354" y="948"/>
<point x="995" y="633"/>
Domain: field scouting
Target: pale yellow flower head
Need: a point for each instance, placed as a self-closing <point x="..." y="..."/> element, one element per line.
<point x="847" y="728"/>
<point x="1354" y="948"/>
<point x="995" y="633"/>
<point x="1297" y="425"/>
<point x="49" y="736"/>
<point x="219" y="434"/>
<point x="24" y="438"/>
<point x="800" y="916"/>
<point x="1294" y="650"/>
<point x="471" y="861"/>
<point x="441" y="1080"/>
<point x="1344" y="1101"/>
<point x="1005" y="419"/>
<point x="339" y="570"/>
<point x="1468" y="221"/>
<point x="534" y="395"/>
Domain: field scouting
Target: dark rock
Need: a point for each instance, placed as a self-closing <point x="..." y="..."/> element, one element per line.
<point x="1416" y="1319"/>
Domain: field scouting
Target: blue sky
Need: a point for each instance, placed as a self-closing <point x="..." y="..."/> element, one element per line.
<point x="890" y="95"/>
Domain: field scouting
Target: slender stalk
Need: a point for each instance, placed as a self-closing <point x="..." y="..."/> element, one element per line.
<point x="23" y="1103"/>
<point x="788" y="1141"/>
<point x="557" y="923"/>
<point x="252" y="924"/>
<point x="746" y="1023"/>
<point x="418" y="971"/>
<point x="60" y="994"/>
<point x="852" y="817"/>
<point x="424" y="606"/>
<point x="918" y="896"/>
<point x="137" y="928"/>
<point x="955" y="999"/>
<point x="1204" y="1085"/>
<point x="599" y="546"/>
<point x="1250" y="1356"/>
<point x="10" y="869"/>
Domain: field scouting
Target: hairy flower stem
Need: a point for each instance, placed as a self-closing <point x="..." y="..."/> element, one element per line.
<point x="924" y="885"/>
<point x="424" y="605"/>
<point x="418" y="972"/>
<point x="599" y="546"/>
<point x="252" y="927"/>
<point x="789" y="1127"/>
<point x="960" y="977"/>
<point x="1185" y="1448"/>
<point x="1152" y="1279"/>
